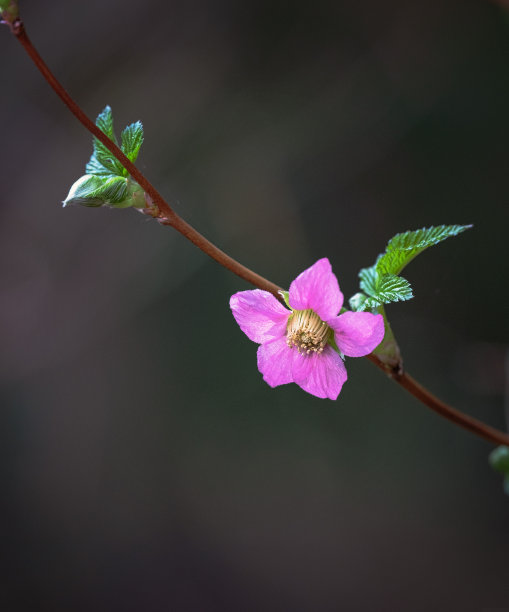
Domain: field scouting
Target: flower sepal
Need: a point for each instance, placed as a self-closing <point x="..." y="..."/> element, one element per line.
<point x="388" y="350"/>
<point x="285" y="295"/>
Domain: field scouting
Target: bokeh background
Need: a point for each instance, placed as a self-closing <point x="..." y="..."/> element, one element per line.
<point x="145" y="464"/>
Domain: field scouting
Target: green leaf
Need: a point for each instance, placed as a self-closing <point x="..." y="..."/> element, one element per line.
<point x="104" y="122"/>
<point x="369" y="280"/>
<point x="499" y="459"/>
<point x="92" y="190"/>
<point x="96" y="168"/>
<point x="404" y="247"/>
<point x="118" y="192"/>
<point x="132" y="139"/>
<point x="84" y="191"/>
<point x="392" y="288"/>
<point x="381" y="289"/>
<point x="103" y="163"/>
<point x="357" y="301"/>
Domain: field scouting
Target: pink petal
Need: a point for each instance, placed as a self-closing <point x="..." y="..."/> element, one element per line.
<point x="275" y="361"/>
<point x="260" y="316"/>
<point x="317" y="288"/>
<point x="327" y="374"/>
<point x="301" y="366"/>
<point x="357" y="333"/>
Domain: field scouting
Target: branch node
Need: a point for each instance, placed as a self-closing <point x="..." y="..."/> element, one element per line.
<point x="17" y="27"/>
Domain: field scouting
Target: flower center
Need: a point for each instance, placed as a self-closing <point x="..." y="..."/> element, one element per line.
<point x="307" y="332"/>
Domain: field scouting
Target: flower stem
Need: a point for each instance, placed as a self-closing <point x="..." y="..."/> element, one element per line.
<point x="164" y="213"/>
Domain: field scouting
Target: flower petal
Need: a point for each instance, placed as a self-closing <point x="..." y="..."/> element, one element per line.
<point x="317" y="288"/>
<point x="260" y="316"/>
<point x="301" y="366"/>
<point x="326" y="376"/>
<point x="275" y="360"/>
<point x="357" y="333"/>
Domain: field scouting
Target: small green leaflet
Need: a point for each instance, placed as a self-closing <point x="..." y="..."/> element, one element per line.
<point x="404" y="247"/>
<point x="107" y="182"/>
<point x="132" y="139"/>
<point x="102" y="162"/>
<point x="381" y="283"/>
<point x="382" y="289"/>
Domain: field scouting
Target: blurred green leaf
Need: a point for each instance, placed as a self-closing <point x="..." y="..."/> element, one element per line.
<point x="499" y="461"/>
<point x="9" y="10"/>
<point x="357" y="301"/>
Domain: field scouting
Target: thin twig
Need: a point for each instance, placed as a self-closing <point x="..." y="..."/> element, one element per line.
<point x="167" y="216"/>
<point x="437" y="405"/>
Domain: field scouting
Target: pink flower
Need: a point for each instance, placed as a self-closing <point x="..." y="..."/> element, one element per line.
<point x="300" y="345"/>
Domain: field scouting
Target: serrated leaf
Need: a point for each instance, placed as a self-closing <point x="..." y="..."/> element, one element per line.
<point x="104" y="122"/>
<point x="132" y="139"/>
<point x="392" y="288"/>
<point x="102" y="162"/>
<point x="402" y="248"/>
<point x="382" y="288"/>
<point x="369" y="280"/>
<point x="95" y="167"/>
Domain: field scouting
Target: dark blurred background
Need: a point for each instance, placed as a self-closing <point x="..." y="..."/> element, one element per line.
<point x="146" y="465"/>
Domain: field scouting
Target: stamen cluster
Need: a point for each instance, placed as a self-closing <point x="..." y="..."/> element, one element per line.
<point x="307" y="332"/>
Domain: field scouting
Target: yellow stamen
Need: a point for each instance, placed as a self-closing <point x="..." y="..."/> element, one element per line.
<point x="307" y="332"/>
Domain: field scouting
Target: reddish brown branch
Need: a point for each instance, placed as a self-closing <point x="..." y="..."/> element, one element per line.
<point x="167" y="216"/>
<point x="448" y="412"/>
